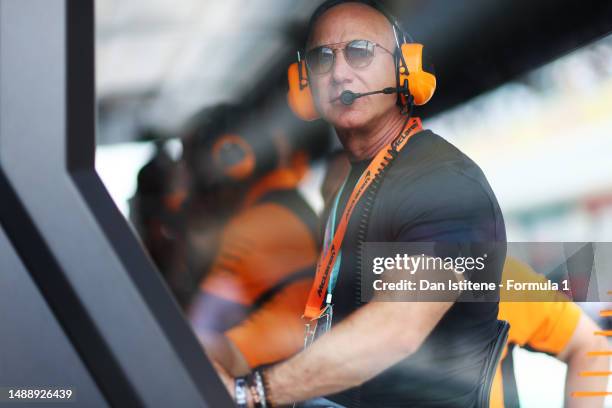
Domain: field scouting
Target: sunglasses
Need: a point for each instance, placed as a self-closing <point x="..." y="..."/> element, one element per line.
<point x="357" y="53"/>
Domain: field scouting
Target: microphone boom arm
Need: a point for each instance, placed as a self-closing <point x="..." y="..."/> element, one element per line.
<point x="348" y="97"/>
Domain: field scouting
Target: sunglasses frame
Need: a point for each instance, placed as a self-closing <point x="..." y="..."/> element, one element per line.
<point x="335" y="47"/>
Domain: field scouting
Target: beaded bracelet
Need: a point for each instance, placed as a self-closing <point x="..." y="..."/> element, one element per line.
<point x="257" y="392"/>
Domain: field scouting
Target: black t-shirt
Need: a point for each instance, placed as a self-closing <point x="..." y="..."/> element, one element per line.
<point x="431" y="192"/>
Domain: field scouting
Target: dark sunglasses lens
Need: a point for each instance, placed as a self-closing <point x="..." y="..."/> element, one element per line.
<point x="359" y="53"/>
<point x="320" y="60"/>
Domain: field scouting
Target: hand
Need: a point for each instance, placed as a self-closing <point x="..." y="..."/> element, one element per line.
<point x="229" y="383"/>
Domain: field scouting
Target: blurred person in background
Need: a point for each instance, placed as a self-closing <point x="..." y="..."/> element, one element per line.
<point x="147" y="209"/>
<point x="157" y="213"/>
<point x="247" y="309"/>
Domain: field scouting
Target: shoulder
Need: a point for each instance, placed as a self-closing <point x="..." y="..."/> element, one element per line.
<point x="432" y="181"/>
<point x="427" y="152"/>
<point x="432" y="169"/>
<point x="268" y="222"/>
<point x="544" y="325"/>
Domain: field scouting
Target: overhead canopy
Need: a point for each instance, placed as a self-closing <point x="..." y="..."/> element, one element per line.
<point x="159" y="60"/>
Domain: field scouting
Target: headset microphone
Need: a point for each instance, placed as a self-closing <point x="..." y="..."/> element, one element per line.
<point x="348" y="97"/>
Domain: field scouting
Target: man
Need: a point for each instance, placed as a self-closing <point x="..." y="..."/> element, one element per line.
<point x="553" y="325"/>
<point x="389" y="353"/>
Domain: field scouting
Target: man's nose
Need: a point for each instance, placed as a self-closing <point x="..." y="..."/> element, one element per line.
<point x="341" y="70"/>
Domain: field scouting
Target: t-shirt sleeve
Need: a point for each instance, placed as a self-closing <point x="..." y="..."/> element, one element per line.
<point x="445" y="205"/>
<point x="558" y="327"/>
<point x="545" y="326"/>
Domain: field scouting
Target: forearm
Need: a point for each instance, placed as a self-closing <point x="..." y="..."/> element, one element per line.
<point x="574" y="382"/>
<point x="366" y="343"/>
<point x="220" y="349"/>
<point x="579" y="362"/>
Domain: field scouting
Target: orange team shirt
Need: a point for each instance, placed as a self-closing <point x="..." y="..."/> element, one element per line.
<point x="543" y="326"/>
<point x="261" y="247"/>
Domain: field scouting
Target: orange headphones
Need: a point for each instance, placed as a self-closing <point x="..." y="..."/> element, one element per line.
<point x="415" y="85"/>
<point x="214" y="151"/>
<point x="233" y="157"/>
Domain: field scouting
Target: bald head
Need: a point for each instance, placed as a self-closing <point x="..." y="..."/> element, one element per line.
<point x="354" y="18"/>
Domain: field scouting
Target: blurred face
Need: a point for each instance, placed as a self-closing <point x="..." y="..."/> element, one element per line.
<point x="337" y="27"/>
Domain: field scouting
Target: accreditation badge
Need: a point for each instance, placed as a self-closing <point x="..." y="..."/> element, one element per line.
<point x="318" y="326"/>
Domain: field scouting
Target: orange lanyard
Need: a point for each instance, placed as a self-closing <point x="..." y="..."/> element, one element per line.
<point x="314" y="305"/>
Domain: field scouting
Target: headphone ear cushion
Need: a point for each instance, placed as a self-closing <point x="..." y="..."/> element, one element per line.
<point x="421" y="84"/>
<point x="299" y="96"/>
<point x="233" y="157"/>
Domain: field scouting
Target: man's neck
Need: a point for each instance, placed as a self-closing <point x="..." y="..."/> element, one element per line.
<point x="362" y="144"/>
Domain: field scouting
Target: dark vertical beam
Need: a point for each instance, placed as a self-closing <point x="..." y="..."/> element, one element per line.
<point x="78" y="249"/>
<point x="80" y="68"/>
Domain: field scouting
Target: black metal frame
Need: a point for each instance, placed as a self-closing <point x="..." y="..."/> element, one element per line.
<point x="78" y="249"/>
